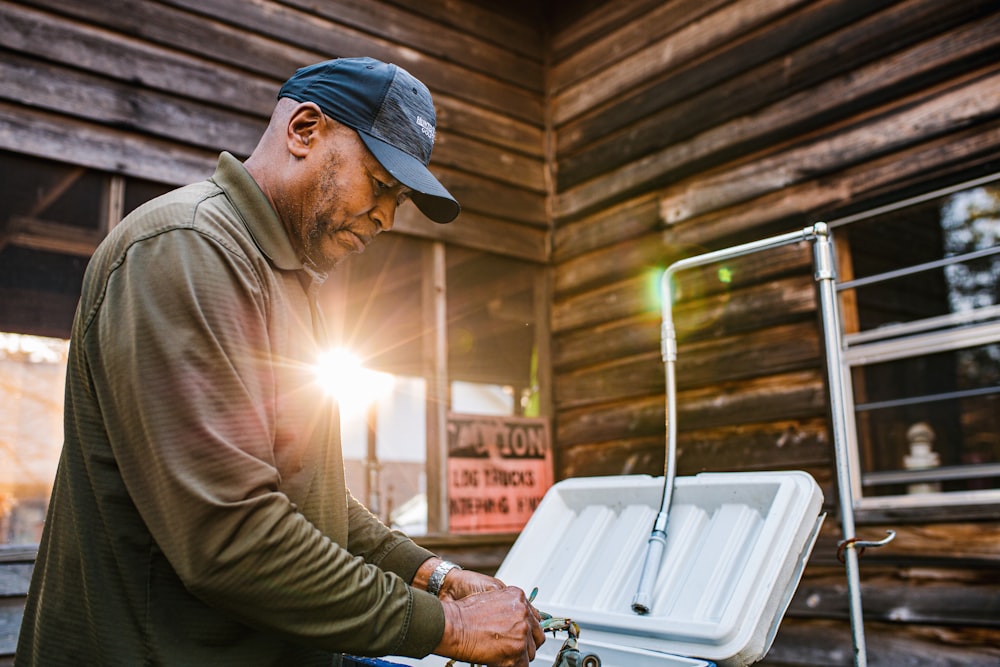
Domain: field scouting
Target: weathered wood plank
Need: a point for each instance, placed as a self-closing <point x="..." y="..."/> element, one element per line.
<point x="796" y="395"/>
<point x="754" y="445"/>
<point x="923" y="543"/>
<point x="806" y="643"/>
<point x="708" y="84"/>
<point x="775" y="349"/>
<point x="115" y="55"/>
<point x="317" y="31"/>
<point x="654" y="253"/>
<point x="491" y="198"/>
<point x="88" y="97"/>
<point x="897" y="126"/>
<point x="50" y="37"/>
<point x="754" y="307"/>
<point x="473" y="230"/>
<point x="154" y="23"/>
<point x="690" y="42"/>
<point x="792" y="395"/>
<point x="574" y="33"/>
<point x="115" y="151"/>
<point x="794" y="85"/>
<point x="46" y="135"/>
<point x="490" y="162"/>
<point x="458" y="116"/>
<point x="415" y="32"/>
<point x="917" y="118"/>
<point x="634" y="456"/>
<point x="630" y="219"/>
<point x="631" y="455"/>
<point x="960" y="152"/>
<point x="891" y="598"/>
<point x="171" y="118"/>
<point x="519" y="33"/>
<point x="605" y="342"/>
<point x="596" y="41"/>
<point x="615" y="301"/>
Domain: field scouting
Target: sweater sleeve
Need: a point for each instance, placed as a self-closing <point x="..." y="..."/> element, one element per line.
<point x="188" y="397"/>
<point x="390" y="550"/>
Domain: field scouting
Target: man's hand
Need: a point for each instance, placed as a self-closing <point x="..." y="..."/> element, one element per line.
<point x="498" y="628"/>
<point x="463" y="583"/>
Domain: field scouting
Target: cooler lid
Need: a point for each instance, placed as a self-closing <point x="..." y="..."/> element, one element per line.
<point x="736" y="547"/>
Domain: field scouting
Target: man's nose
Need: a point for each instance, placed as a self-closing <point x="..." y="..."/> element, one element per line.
<point x="384" y="213"/>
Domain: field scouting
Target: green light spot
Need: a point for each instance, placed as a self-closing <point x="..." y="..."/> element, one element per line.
<point x="725" y="275"/>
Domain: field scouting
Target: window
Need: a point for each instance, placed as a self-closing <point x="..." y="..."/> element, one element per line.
<point x="52" y="216"/>
<point x="380" y="307"/>
<point x="919" y="283"/>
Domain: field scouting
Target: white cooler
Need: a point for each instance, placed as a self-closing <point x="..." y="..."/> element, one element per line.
<point x="736" y="547"/>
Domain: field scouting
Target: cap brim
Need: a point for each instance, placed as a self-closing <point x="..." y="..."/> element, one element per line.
<point x="428" y="194"/>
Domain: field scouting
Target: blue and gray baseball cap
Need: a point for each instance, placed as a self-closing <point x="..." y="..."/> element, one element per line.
<point x="393" y="114"/>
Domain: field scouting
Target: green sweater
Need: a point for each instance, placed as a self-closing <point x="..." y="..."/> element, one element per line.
<point x="200" y="514"/>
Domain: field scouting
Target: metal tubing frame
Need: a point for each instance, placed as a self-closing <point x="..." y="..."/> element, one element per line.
<point x="825" y="275"/>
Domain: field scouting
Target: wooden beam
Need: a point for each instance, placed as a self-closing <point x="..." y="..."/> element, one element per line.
<point x="435" y="372"/>
<point x="52" y="237"/>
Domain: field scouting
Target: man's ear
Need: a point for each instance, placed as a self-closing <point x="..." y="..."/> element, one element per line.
<point x="304" y="126"/>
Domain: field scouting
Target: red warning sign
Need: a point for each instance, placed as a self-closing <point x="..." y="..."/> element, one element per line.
<point x="499" y="468"/>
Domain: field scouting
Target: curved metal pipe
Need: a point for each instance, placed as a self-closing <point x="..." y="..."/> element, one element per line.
<point x="642" y="601"/>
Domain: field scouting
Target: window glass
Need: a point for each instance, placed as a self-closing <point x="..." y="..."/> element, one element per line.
<point x="482" y="399"/>
<point x="491" y="331"/>
<point x="138" y="192"/>
<point x="32" y="375"/>
<point x="921" y="302"/>
<point x="373" y="307"/>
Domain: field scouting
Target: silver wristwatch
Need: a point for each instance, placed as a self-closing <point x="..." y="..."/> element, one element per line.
<point x="438" y="575"/>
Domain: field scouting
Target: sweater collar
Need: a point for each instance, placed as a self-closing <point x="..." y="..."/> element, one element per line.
<point x="256" y="211"/>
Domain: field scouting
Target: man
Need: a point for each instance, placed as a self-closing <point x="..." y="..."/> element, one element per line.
<point x="199" y="514"/>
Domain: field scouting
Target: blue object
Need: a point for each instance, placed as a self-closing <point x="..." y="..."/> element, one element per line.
<point x="352" y="661"/>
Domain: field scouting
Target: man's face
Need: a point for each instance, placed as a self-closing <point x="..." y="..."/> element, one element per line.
<point x="346" y="199"/>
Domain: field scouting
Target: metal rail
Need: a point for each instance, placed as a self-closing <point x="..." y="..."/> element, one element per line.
<point x="819" y="235"/>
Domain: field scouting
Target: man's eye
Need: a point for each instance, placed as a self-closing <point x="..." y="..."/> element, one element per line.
<point x="380" y="187"/>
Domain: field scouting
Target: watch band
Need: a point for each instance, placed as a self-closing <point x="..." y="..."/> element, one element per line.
<point x="438" y="575"/>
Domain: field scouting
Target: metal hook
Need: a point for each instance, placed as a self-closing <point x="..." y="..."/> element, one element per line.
<point x="861" y="545"/>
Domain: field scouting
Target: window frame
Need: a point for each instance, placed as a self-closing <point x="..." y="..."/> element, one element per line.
<point x="906" y="341"/>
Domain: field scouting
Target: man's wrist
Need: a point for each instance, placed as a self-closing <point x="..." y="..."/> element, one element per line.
<point x="436" y="580"/>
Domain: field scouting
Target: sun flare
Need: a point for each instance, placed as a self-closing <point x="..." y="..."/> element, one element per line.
<point x="341" y="375"/>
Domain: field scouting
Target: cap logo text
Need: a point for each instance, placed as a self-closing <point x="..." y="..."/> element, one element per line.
<point x="426" y="127"/>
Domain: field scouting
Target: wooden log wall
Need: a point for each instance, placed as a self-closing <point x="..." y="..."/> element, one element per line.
<point x="156" y="89"/>
<point x="693" y="125"/>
